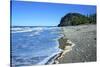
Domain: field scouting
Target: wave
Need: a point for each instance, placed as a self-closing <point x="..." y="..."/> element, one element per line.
<point x="46" y="60"/>
<point x="28" y="29"/>
<point x="20" y="30"/>
<point x="50" y="34"/>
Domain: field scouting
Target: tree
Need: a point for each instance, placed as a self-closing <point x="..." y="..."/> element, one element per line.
<point x="77" y="19"/>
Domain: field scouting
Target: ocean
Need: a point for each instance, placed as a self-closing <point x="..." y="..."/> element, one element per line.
<point x="34" y="45"/>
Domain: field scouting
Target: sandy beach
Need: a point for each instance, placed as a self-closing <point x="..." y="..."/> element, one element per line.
<point x="80" y="42"/>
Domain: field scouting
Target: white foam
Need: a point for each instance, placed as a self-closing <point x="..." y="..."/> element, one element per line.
<point x="20" y="30"/>
<point x="16" y="29"/>
<point x="44" y="61"/>
<point x="37" y="31"/>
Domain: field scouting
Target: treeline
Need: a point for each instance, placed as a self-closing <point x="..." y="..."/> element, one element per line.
<point x="77" y="19"/>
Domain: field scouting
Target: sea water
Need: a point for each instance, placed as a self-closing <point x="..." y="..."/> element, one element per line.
<point x="34" y="45"/>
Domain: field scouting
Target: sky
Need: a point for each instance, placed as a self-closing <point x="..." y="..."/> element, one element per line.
<point x="44" y="14"/>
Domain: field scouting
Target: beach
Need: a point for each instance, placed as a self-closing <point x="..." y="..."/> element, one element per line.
<point x="58" y="45"/>
<point x="78" y="44"/>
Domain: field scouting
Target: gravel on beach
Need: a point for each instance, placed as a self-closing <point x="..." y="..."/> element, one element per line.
<point x="84" y="38"/>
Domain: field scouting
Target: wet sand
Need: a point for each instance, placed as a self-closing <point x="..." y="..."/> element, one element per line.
<point x="78" y="44"/>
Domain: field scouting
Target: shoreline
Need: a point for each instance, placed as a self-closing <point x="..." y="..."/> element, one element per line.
<point x="78" y="44"/>
<point x="65" y="45"/>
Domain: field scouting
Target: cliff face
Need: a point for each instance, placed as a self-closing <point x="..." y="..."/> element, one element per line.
<point x="76" y="19"/>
